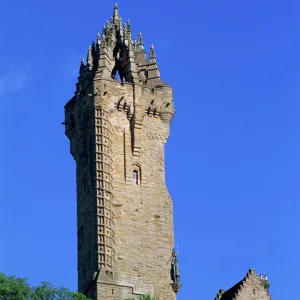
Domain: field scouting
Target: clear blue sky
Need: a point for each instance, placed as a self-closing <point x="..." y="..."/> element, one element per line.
<point x="233" y="159"/>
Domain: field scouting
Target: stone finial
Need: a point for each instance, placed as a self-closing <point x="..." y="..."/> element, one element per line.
<point x="116" y="12"/>
<point x="128" y="26"/>
<point x="152" y="55"/>
<point x="104" y="30"/>
<point x="140" y="45"/>
<point x="89" y="59"/>
<point x="98" y="39"/>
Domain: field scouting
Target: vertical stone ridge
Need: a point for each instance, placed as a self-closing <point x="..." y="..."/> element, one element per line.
<point x="105" y="229"/>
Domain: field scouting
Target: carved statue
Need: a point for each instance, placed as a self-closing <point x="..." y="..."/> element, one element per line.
<point x="119" y="53"/>
<point x="175" y="274"/>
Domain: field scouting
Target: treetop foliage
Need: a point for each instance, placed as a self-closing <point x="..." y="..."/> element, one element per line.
<point x="13" y="288"/>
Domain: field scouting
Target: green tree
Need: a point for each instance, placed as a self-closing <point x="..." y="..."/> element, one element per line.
<point x="13" y="288"/>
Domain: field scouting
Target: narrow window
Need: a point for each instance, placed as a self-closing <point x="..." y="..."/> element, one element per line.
<point x="253" y="291"/>
<point x="135" y="177"/>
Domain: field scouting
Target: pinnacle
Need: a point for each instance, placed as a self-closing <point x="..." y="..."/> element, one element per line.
<point x="152" y="54"/>
<point x="89" y="59"/>
<point x="116" y="13"/>
<point x="82" y="66"/>
<point x="128" y="26"/>
<point x="140" y="42"/>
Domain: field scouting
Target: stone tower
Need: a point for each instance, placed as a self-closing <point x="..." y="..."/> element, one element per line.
<point x="117" y="131"/>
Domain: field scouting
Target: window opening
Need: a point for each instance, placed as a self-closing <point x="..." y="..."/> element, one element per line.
<point x="135" y="177"/>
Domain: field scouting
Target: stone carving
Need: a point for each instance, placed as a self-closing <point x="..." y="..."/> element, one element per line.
<point x="175" y="274"/>
<point x="157" y="136"/>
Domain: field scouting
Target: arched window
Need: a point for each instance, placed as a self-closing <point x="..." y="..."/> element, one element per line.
<point x="136" y="174"/>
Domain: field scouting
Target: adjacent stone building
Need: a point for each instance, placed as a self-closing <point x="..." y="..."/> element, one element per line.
<point x="118" y="129"/>
<point x="251" y="287"/>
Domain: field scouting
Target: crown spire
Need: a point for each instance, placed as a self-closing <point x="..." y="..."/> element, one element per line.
<point x="140" y="45"/>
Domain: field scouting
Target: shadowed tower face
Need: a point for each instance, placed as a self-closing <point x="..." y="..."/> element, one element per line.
<point x="117" y="131"/>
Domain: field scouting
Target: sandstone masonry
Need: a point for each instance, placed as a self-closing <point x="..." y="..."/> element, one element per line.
<point x="117" y="132"/>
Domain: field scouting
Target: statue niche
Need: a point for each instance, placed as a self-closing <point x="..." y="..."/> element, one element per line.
<point x="120" y="54"/>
